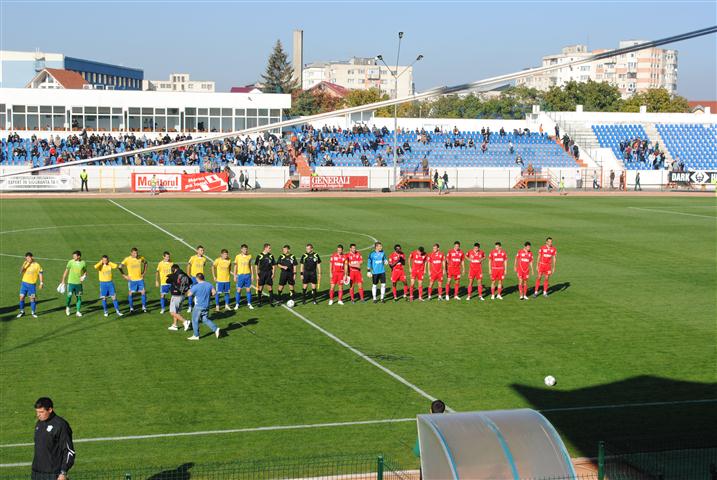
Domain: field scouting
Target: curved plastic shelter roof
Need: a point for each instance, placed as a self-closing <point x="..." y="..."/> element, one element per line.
<point x="499" y="444"/>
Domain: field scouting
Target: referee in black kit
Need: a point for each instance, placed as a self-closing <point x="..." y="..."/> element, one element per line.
<point x="264" y="271"/>
<point x="310" y="271"/>
<point x="287" y="263"/>
<point x="54" y="451"/>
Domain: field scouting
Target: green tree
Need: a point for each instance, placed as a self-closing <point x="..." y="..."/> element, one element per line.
<point x="656" y="100"/>
<point x="279" y="75"/>
<point x="356" y="98"/>
<point x="303" y="103"/>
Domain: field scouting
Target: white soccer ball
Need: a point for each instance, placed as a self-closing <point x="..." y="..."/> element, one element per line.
<point x="368" y="274"/>
<point x="61" y="288"/>
<point x="550" y="381"/>
<point x="290" y="303"/>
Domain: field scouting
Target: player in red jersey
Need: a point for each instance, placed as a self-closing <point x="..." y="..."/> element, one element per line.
<point x="418" y="270"/>
<point x="547" y="257"/>
<point x="498" y="263"/>
<point x="436" y="269"/>
<point x="523" y="267"/>
<point x="456" y="268"/>
<point x="338" y="273"/>
<point x="475" y="271"/>
<point x="396" y="261"/>
<point x="355" y="260"/>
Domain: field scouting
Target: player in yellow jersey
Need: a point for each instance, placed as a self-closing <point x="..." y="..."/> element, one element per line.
<point x="31" y="272"/>
<point x="195" y="265"/>
<point x="242" y="275"/>
<point x="136" y="267"/>
<point x="221" y="271"/>
<point x="107" y="287"/>
<point x="164" y="268"/>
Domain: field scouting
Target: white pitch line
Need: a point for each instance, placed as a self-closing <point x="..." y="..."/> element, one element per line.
<point x="224" y="432"/>
<point x="22" y="464"/>
<point x="673" y="213"/>
<point x="364" y="356"/>
<point x="341" y="424"/>
<point x="151" y="223"/>
<point x="309" y="322"/>
<point x="628" y="405"/>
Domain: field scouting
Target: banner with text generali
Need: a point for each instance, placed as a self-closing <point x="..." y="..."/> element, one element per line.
<point x="181" y="182"/>
<point x="333" y="182"/>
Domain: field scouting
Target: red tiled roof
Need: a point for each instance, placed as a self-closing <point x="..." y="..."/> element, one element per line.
<point x="66" y="78"/>
<point x="704" y="103"/>
<point x="338" y="90"/>
<point x="245" y="89"/>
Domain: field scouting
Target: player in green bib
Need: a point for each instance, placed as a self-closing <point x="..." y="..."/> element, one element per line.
<point x="75" y="273"/>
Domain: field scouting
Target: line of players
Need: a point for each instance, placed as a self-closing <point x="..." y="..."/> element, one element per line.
<point x="440" y="267"/>
<point x="345" y="270"/>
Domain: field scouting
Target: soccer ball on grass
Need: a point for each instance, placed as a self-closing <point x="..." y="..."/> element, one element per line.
<point x="290" y="303"/>
<point x="550" y="381"/>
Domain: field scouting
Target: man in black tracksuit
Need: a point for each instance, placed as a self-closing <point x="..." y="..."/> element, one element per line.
<point x="54" y="451"/>
<point x="287" y="265"/>
<point x="264" y="273"/>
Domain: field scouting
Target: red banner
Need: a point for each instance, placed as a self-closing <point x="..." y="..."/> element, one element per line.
<point x="205" y="182"/>
<point x="333" y="182"/>
<point x="178" y="182"/>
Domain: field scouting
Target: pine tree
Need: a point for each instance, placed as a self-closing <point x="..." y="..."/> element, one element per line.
<point x="279" y="76"/>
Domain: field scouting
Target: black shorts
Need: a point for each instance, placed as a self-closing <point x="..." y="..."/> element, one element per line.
<point x="287" y="277"/>
<point x="309" y="277"/>
<point x="265" y="279"/>
<point x="378" y="278"/>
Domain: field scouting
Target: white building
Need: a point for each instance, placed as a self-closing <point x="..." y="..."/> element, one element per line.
<point x="65" y="110"/>
<point x="178" y="82"/>
<point x="631" y="72"/>
<point x="359" y="74"/>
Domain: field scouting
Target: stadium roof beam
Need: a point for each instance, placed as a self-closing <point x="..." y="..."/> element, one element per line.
<point x="434" y="92"/>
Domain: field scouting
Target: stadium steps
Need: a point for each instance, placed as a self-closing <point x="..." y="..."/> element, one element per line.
<point x="302" y="166"/>
<point x="654" y="135"/>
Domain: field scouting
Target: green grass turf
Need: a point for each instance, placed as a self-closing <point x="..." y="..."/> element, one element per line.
<point x="633" y="320"/>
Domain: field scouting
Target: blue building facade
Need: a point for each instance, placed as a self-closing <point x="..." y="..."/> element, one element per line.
<point x="18" y="68"/>
<point x="106" y="76"/>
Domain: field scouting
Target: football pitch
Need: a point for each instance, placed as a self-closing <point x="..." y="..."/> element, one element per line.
<point x="629" y="329"/>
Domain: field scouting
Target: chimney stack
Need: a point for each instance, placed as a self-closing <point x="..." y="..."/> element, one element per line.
<point x="298" y="58"/>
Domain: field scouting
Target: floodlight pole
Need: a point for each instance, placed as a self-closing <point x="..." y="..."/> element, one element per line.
<point x="396" y="75"/>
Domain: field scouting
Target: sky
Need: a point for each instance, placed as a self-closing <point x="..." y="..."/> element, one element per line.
<point x="229" y="41"/>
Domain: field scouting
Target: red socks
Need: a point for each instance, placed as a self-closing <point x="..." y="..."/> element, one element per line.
<point x="545" y="285"/>
<point x="455" y="290"/>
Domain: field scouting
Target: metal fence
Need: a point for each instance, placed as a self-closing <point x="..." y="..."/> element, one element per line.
<point x="345" y="467"/>
<point x="666" y="461"/>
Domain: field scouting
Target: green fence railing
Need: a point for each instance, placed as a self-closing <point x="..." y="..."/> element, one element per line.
<point x="660" y="461"/>
<point x="349" y="467"/>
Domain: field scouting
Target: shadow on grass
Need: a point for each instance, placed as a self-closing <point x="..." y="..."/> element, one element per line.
<point x="231" y="327"/>
<point x="673" y="412"/>
<point x="182" y="472"/>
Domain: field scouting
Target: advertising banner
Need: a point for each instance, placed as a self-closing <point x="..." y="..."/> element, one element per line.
<point x="698" y="177"/>
<point x="37" y="183"/>
<point x="178" y="182"/>
<point x="333" y="182"/>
